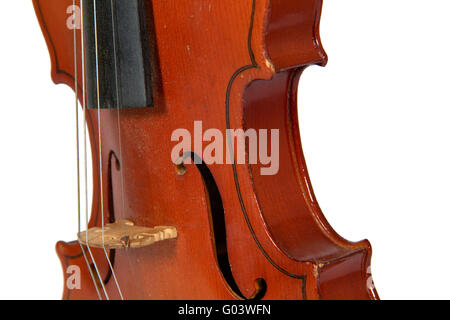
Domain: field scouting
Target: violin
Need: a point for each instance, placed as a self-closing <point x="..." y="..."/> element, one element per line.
<point x="200" y="188"/>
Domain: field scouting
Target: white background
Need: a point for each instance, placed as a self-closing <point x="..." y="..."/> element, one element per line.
<point x="374" y="123"/>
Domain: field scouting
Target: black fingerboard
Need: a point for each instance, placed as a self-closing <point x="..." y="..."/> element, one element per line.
<point x="117" y="59"/>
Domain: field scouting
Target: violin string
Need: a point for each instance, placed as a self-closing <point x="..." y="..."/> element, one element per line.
<point x="78" y="142"/>
<point x="100" y="151"/>
<point x="75" y="62"/>
<point x="118" y="104"/>
<point x="85" y="156"/>
<point x="122" y="161"/>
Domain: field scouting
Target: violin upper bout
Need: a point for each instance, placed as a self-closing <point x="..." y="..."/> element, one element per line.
<point x="292" y="35"/>
<point x="56" y="19"/>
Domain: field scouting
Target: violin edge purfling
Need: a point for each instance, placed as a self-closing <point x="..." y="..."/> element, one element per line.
<point x="232" y="66"/>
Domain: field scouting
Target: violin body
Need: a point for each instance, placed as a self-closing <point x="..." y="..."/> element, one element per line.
<point x="241" y="234"/>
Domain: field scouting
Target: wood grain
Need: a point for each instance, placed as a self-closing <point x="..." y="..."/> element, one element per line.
<point x="231" y="64"/>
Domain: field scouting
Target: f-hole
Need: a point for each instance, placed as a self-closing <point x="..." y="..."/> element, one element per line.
<point x="217" y="214"/>
<point x="113" y="163"/>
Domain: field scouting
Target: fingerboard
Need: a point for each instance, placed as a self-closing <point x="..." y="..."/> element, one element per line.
<point x="117" y="56"/>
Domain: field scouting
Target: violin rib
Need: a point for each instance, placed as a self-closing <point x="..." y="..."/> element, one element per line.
<point x="229" y="65"/>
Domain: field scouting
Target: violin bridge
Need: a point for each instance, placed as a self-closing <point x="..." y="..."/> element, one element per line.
<point x="123" y="234"/>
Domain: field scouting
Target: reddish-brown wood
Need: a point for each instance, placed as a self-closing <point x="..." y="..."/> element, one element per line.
<point x="229" y="64"/>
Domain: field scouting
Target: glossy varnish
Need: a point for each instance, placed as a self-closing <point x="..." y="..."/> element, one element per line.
<point x="231" y="64"/>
